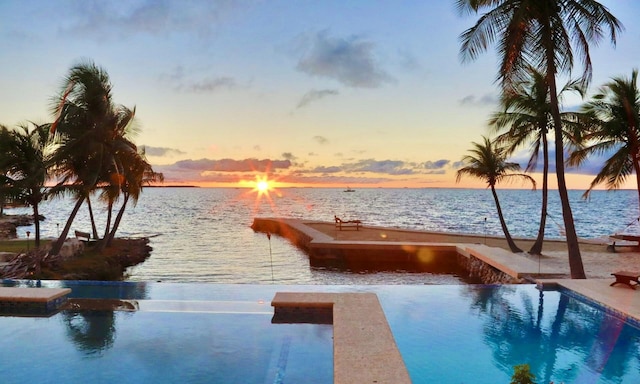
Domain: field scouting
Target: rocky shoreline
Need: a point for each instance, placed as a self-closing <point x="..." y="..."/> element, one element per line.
<point x="82" y="263"/>
<point x="9" y="223"/>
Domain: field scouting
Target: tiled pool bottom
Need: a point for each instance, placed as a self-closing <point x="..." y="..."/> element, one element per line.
<point x="209" y="333"/>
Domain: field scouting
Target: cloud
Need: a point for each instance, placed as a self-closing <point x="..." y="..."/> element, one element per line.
<point x="231" y="165"/>
<point x="116" y="20"/>
<point x="289" y="156"/>
<point x="389" y="167"/>
<point x="315" y="95"/>
<point x="484" y="100"/>
<point x="336" y="180"/>
<point x="162" y="151"/>
<point x="211" y="84"/>
<point x="436" y="164"/>
<point x="320" y="139"/>
<point x="348" y="60"/>
<point x="457" y="164"/>
<point x="180" y="80"/>
<point x="326" y="170"/>
<point x="592" y="166"/>
<point x="409" y="62"/>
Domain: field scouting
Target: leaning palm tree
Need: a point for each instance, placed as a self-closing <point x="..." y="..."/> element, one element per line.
<point x="526" y="117"/>
<point x="137" y="173"/>
<point x="545" y="34"/>
<point x="488" y="163"/>
<point x="613" y="117"/>
<point x="27" y="161"/>
<point x="87" y="124"/>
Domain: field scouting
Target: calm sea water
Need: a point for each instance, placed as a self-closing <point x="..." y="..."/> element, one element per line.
<point x="204" y="234"/>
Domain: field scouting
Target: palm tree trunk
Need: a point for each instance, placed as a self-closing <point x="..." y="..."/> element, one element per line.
<point x="514" y="248"/>
<point x="107" y="228"/>
<point x="93" y="221"/>
<point x="635" y="156"/>
<point x="117" y="221"/>
<point x="636" y="166"/>
<point x="63" y="236"/>
<point x="575" y="259"/>
<point x="36" y="223"/>
<point x="536" y="248"/>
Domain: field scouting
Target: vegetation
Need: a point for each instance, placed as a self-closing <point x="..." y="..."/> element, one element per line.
<point x="546" y="34"/>
<point x="612" y="122"/>
<point x="522" y="375"/>
<point x="16" y="246"/>
<point x="86" y="150"/>
<point x="526" y="117"/>
<point x="26" y="162"/>
<point x="488" y="163"/>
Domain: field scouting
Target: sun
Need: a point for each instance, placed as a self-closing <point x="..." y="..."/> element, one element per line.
<point x="262" y="186"/>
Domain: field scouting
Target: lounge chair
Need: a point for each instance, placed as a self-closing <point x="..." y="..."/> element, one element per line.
<point x="350" y="224"/>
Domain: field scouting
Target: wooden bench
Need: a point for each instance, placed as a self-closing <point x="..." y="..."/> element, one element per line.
<point x="351" y="224"/>
<point x="626" y="277"/>
<point x="85" y="237"/>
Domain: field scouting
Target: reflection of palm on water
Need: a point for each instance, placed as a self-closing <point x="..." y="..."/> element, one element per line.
<point x="516" y="327"/>
<point x="91" y="331"/>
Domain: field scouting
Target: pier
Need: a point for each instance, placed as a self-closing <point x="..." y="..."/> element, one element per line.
<point x="357" y="250"/>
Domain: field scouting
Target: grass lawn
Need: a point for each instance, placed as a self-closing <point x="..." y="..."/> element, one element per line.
<point x="17" y="245"/>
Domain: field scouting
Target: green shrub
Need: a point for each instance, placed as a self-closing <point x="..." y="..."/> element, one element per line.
<point x="522" y="375"/>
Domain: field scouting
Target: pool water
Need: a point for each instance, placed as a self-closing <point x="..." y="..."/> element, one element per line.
<point x="216" y="333"/>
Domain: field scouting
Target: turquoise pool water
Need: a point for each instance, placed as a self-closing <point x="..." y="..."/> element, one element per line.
<point x="215" y="333"/>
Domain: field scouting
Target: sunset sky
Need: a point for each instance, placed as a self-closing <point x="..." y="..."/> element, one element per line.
<point x="315" y="93"/>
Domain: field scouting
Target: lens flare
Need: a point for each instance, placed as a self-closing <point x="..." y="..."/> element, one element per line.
<point x="263" y="186"/>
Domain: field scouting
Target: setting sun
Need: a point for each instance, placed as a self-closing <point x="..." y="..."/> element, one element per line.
<point x="262" y="186"/>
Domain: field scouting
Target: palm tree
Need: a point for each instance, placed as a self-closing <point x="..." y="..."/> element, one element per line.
<point x="27" y="162"/>
<point x="526" y="117"/>
<point x="87" y="125"/>
<point x="613" y="117"/>
<point x="4" y="186"/>
<point x="487" y="163"/>
<point x="542" y="33"/>
<point x="137" y="173"/>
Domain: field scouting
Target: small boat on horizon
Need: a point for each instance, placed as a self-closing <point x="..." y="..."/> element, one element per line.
<point x="349" y="190"/>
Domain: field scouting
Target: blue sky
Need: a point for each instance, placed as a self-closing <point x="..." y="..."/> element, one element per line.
<point x="359" y="93"/>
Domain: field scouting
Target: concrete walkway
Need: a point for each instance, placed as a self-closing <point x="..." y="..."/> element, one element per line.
<point x="364" y="350"/>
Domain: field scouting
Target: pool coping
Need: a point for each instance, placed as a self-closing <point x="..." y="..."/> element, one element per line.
<point x="620" y="301"/>
<point x="17" y="301"/>
<point x="364" y="350"/>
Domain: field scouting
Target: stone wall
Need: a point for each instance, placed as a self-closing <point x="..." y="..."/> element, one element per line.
<point x="485" y="272"/>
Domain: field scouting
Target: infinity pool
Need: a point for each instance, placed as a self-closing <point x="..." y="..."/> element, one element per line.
<point x="214" y="333"/>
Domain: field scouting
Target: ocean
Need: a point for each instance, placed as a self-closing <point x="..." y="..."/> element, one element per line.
<point x="204" y="234"/>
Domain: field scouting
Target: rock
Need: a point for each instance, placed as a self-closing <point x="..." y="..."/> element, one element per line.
<point x="70" y="249"/>
<point x="7" y="230"/>
<point x="8" y="224"/>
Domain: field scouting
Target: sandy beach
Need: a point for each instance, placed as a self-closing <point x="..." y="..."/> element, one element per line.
<point x="598" y="261"/>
